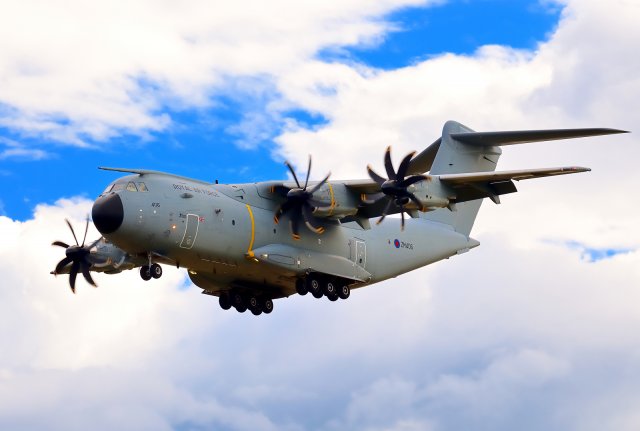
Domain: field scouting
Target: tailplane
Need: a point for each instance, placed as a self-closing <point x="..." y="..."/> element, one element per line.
<point x="454" y="157"/>
<point x="461" y="150"/>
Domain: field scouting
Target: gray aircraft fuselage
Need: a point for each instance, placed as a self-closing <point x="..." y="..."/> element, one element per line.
<point x="226" y="235"/>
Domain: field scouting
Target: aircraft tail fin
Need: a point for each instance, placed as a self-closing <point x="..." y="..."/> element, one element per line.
<point x="449" y="155"/>
<point x="461" y="150"/>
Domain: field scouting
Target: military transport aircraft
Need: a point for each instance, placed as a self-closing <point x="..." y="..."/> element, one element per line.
<point x="234" y="244"/>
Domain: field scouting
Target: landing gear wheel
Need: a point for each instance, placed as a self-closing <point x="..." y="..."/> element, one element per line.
<point x="267" y="306"/>
<point x="254" y="305"/>
<point x="314" y="286"/>
<point x="145" y="272"/>
<point x="301" y="288"/>
<point x="330" y="289"/>
<point x="156" y="270"/>
<point x="333" y="297"/>
<point x="224" y="301"/>
<point x="238" y="302"/>
<point x="344" y="292"/>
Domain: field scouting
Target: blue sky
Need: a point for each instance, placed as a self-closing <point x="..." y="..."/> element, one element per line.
<point x="202" y="142"/>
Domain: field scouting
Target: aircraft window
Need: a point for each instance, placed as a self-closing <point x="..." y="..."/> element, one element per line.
<point x="132" y="187"/>
<point x="142" y="187"/>
<point x="108" y="189"/>
<point x="118" y="187"/>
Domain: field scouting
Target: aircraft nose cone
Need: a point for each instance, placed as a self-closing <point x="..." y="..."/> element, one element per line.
<point x="108" y="213"/>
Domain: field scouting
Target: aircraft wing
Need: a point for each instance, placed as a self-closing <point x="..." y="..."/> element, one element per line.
<point x="477" y="185"/>
<point x="464" y="187"/>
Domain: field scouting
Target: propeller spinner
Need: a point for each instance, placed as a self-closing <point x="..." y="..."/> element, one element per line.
<point x="395" y="188"/>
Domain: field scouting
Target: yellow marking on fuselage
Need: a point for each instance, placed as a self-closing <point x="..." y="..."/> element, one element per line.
<point x="253" y="233"/>
<point x="333" y="199"/>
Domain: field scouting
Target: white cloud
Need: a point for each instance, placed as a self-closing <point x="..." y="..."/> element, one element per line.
<point x="484" y="334"/>
<point x="75" y="71"/>
<point x="16" y="150"/>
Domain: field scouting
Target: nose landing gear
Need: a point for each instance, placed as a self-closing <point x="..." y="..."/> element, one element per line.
<point x="148" y="272"/>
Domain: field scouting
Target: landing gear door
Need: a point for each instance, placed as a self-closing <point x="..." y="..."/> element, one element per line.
<point x="358" y="254"/>
<point x="361" y="253"/>
<point x="191" y="231"/>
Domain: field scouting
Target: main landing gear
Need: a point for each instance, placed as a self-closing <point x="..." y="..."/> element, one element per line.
<point x="320" y="285"/>
<point x="243" y="302"/>
<point x="148" y="272"/>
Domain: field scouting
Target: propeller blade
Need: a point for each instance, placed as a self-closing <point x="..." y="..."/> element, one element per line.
<point x="388" y="165"/>
<point x="79" y="256"/>
<point x="310" y="220"/>
<point x="294" y="222"/>
<point x="397" y="194"/>
<point x="72" y="275"/>
<point x="320" y="184"/>
<point x="64" y="262"/>
<point x="375" y="177"/>
<point x="386" y="210"/>
<point x="413" y="179"/>
<point x="417" y="202"/>
<point x="280" y="190"/>
<point x="306" y="181"/>
<point x="293" y="173"/>
<point x="87" y="275"/>
<point x="404" y="165"/>
<point x="372" y="198"/>
<point x="86" y="229"/>
<point x="282" y="209"/>
<point x="72" y="231"/>
<point x="300" y="203"/>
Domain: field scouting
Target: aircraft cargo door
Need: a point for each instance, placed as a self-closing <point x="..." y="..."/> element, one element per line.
<point x="191" y="231"/>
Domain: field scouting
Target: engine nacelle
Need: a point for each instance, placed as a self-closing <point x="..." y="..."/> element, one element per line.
<point x="108" y="258"/>
<point x="431" y="193"/>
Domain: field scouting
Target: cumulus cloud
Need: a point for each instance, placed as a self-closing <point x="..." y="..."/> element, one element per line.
<point x="16" y="150"/>
<point x="78" y="72"/>
<point x="530" y="333"/>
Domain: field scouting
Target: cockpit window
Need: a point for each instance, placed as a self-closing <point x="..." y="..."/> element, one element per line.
<point x="118" y="186"/>
<point x="129" y="186"/>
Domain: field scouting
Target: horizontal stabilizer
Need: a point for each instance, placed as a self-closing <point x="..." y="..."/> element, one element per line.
<point x="478" y="185"/>
<point x="522" y="174"/>
<point x="525" y="136"/>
